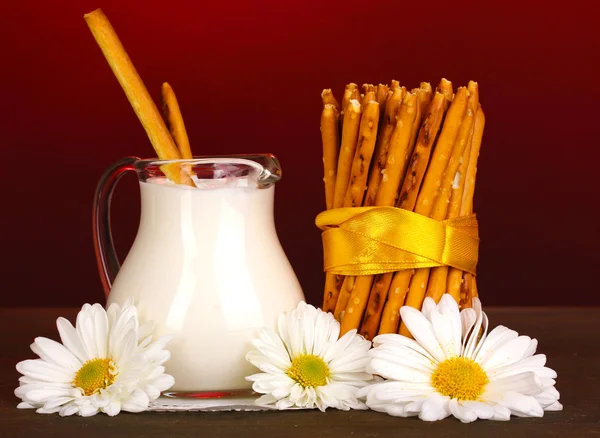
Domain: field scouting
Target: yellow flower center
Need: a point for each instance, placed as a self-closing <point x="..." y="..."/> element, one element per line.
<point x="460" y="378"/>
<point x="309" y="370"/>
<point x="95" y="374"/>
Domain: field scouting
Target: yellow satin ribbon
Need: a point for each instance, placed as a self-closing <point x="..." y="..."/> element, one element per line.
<point x="374" y="240"/>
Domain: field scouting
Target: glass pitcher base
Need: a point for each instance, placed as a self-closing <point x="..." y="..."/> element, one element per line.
<point x="208" y="395"/>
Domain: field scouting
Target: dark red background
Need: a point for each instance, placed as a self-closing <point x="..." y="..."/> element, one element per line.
<point x="248" y="76"/>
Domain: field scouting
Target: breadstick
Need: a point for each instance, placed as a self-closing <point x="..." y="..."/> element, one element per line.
<point x="348" y="146"/>
<point x="445" y="87"/>
<point x="350" y="130"/>
<point x="455" y="276"/>
<point x="382" y="95"/>
<point x="331" y="146"/>
<point x="329" y="99"/>
<point x="136" y="93"/>
<point x="375" y="298"/>
<point x="407" y="199"/>
<point x="358" y="179"/>
<point x="369" y="96"/>
<point x="348" y="95"/>
<point x="174" y="120"/>
<point x="422" y="152"/>
<point x="442" y="206"/>
<point x="431" y="187"/>
<point x="362" y="157"/>
<point x="383" y="141"/>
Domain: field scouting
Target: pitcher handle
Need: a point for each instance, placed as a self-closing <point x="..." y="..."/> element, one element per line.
<point x="106" y="256"/>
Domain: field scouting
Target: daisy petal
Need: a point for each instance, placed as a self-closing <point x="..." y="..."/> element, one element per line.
<point x="435" y="407"/>
<point x="462" y="412"/>
<point x="71" y="339"/>
<point x="422" y="331"/>
<point x="52" y="351"/>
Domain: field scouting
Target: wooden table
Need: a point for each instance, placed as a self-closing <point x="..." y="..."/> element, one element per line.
<point x="569" y="337"/>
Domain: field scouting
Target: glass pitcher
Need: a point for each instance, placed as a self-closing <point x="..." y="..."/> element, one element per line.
<point x="206" y="265"/>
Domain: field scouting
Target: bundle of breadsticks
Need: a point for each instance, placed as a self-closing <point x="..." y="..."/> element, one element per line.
<point x="415" y="150"/>
<point x="168" y="137"/>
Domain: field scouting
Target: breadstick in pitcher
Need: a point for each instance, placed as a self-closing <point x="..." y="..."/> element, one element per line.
<point x="136" y="93"/>
<point x="174" y="119"/>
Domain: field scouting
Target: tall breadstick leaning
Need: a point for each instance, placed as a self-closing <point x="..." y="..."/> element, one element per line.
<point x="174" y="120"/>
<point x="370" y="300"/>
<point x="350" y="131"/>
<point x="455" y="276"/>
<point x="431" y="188"/>
<point x="136" y="93"/>
<point x="407" y="198"/>
<point x="357" y="185"/>
<point x="443" y="206"/>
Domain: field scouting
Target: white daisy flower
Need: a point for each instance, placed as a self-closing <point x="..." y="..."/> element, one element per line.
<point x="306" y="365"/>
<point x="107" y="363"/>
<point x="455" y="367"/>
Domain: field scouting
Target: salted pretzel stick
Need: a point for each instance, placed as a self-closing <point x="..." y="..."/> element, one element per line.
<point x="362" y="157"/>
<point x="431" y="187"/>
<point x="331" y="146"/>
<point x="136" y="93"/>
<point x="369" y="96"/>
<point x="442" y="208"/>
<point x="349" y="93"/>
<point x="356" y="188"/>
<point x="350" y="130"/>
<point x="174" y="120"/>
<point x="383" y="142"/>
<point x="329" y="99"/>
<point x="382" y="95"/>
<point x="352" y="116"/>
<point x="399" y="282"/>
<point x="455" y="276"/>
<point x="375" y="297"/>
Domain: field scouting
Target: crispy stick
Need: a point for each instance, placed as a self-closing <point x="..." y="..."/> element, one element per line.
<point x="331" y="146"/>
<point x="349" y="93"/>
<point x="174" y="120"/>
<point x="383" y="142"/>
<point x="356" y="188"/>
<point x="455" y="276"/>
<point x="369" y="96"/>
<point x="350" y="130"/>
<point x="443" y="206"/>
<point x="329" y="99"/>
<point x="352" y="116"/>
<point x="431" y="187"/>
<point x="382" y="95"/>
<point x="136" y="93"/>
<point x="398" y="282"/>
<point x="374" y="298"/>
<point x="362" y="157"/>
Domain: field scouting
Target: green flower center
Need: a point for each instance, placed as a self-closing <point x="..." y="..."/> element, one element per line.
<point x="460" y="378"/>
<point x="309" y="371"/>
<point x="95" y="374"/>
